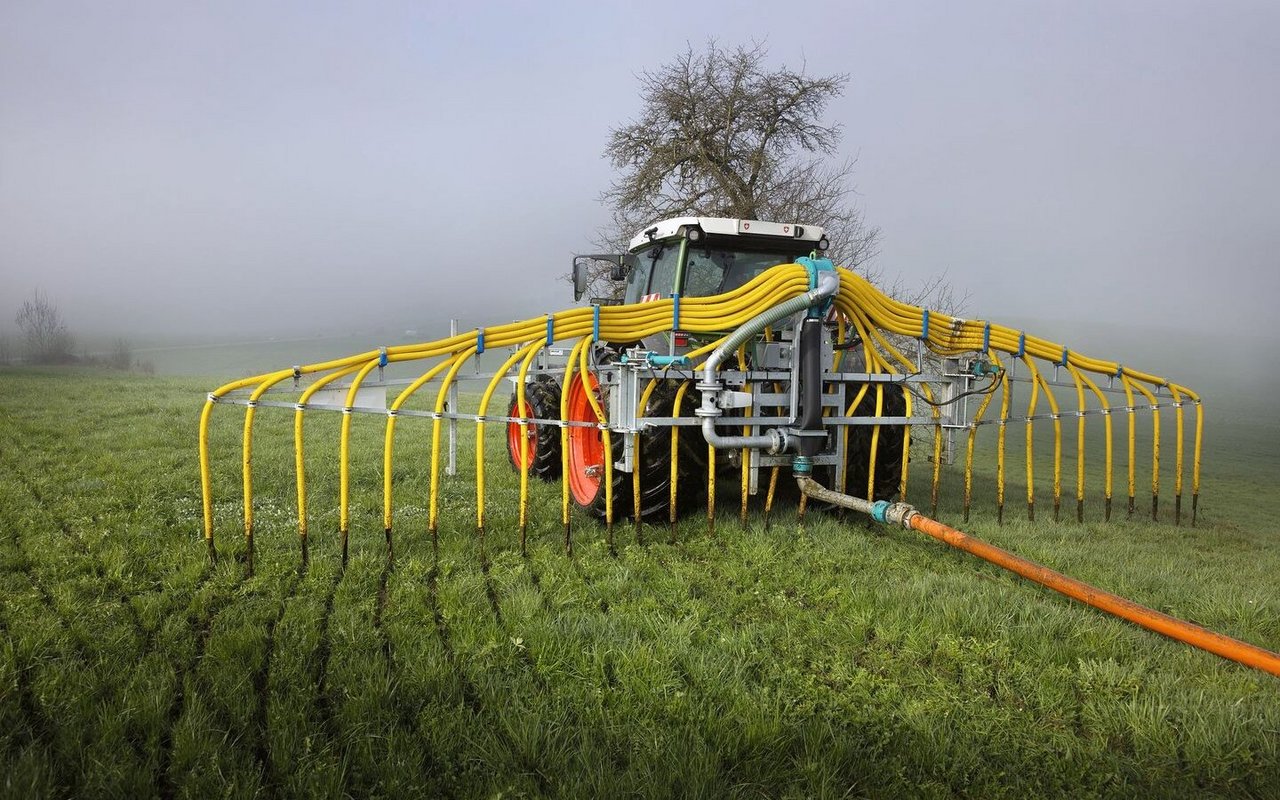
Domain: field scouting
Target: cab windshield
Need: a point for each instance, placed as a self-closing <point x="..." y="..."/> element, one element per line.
<point x="715" y="270"/>
<point x="710" y="268"/>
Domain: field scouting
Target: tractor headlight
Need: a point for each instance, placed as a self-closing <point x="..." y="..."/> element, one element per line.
<point x="823" y="243"/>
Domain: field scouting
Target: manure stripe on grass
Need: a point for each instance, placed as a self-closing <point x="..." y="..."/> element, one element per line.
<point x="388" y="567"/>
<point x="320" y="677"/>
<point x="535" y="580"/>
<point x="262" y="688"/>
<point x="491" y="592"/>
<point x="470" y="693"/>
<point x="111" y="584"/>
<point x="178" y="704"/>
<point x="36" y="725"/>
<point x="406" y="715"/>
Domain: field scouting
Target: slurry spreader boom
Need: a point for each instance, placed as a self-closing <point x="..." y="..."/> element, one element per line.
<point x="739" y="346"/>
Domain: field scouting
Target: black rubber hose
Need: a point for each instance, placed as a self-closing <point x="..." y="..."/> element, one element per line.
<point x="810" y="385"/>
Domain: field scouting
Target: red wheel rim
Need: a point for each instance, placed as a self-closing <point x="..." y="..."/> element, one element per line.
<point x="586" y="446"/>
<point x="513" y="438"/>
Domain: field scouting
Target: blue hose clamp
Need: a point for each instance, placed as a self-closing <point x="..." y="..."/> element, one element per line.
<point x="814" y="266"/>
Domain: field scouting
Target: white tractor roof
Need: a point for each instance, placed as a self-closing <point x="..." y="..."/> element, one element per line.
<point x="726" y="226"/>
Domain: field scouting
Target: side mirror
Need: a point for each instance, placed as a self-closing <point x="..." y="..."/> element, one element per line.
<point x="579" y="279"/>
<point x="619" y="266"/>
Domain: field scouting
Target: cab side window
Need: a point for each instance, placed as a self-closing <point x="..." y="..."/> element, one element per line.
<point x="638" y="280"/>
<point x="664" y="271"/>
<point x="703" y="274"/>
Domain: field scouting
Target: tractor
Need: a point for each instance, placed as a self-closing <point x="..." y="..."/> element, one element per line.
<point x="739" y="345"/>
<point x="658" y="430"/>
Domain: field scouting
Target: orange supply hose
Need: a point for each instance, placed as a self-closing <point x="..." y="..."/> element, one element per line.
<point x="1174" y="628"/>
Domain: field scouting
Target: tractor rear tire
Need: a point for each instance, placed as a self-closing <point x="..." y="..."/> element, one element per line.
<point x="655" y="459"/>
<point x="586" y="457"/>
<point x="542" y="401"/>
<point x="889" y="446"/>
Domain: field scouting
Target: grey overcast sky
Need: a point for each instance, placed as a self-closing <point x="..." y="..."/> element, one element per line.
<point x="213" y="167"/>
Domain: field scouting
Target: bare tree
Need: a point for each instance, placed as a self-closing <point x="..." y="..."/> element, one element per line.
<point x="45" y="336"/>
<point x="121" y="355"/>
<point x="720" y="134"/>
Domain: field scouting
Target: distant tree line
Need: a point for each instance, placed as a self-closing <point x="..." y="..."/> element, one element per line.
<point x="45" y="339"/>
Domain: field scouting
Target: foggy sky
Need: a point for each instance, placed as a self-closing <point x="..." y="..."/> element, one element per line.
<point x="209" y="168"/>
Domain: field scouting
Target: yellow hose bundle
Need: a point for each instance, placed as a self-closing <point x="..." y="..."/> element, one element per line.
<point x="874" y="316"/>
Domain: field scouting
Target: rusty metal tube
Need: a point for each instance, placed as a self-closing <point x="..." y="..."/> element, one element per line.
<point x="1174" y="628"/>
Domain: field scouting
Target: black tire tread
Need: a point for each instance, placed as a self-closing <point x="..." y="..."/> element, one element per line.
<point x="543" y="398"/>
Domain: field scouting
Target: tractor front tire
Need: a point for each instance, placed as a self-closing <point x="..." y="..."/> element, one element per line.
<point x="542" y="401"/>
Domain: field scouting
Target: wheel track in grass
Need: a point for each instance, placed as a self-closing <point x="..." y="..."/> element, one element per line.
<point x="470" y="693"/>
<point x="32" y="711"/>
<point x="26" y="565"/>
<point x="41" y="725"/>
<point x="113" y="586"/>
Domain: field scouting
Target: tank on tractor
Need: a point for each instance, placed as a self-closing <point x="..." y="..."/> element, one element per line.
<point x="648" y="392"/>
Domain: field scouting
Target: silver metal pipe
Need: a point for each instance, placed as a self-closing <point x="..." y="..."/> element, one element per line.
<point x="899" y="514"/>
<point x="773" y="440"/>
<point x="811" y="488"/>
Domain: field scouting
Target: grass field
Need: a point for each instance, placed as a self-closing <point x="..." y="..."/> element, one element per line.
<point x="823" y="659"/>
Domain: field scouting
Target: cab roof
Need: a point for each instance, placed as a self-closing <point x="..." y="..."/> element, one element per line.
<point x="726" y="226"/>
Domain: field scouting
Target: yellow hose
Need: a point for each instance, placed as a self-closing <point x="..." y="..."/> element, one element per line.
<point x="746" y="452"/>
<point x="605" y="438"/>
<point x="637" y="456"/>
<point x="1000" y="436"/>
<point x="433" y="512"/>
<point x="564" y="439"/>
<point x="522" y="408"/>
<point x="298" y="453"/>
<point x="483" y="410"/>
<point x="675" y="450"/>
<point x="389" y="438"/>
<point x="874" y="315"/>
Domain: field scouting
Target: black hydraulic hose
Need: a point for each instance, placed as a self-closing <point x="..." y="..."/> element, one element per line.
<point x="810" y="386"/>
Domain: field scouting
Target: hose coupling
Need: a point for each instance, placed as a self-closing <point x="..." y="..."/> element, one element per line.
<point x="802" y="465"/>
<point x="900" y="514"/>
<point x="887" y="513"/>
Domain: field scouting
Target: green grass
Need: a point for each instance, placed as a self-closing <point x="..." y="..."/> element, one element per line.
<point x="817" y="659"/>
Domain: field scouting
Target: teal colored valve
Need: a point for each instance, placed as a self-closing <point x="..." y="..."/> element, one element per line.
<point x="879" y="509"/>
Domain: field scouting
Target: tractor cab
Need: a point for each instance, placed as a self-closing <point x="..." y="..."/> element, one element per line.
<point x="698" y="257"/>
<point x="702" y="256"/>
